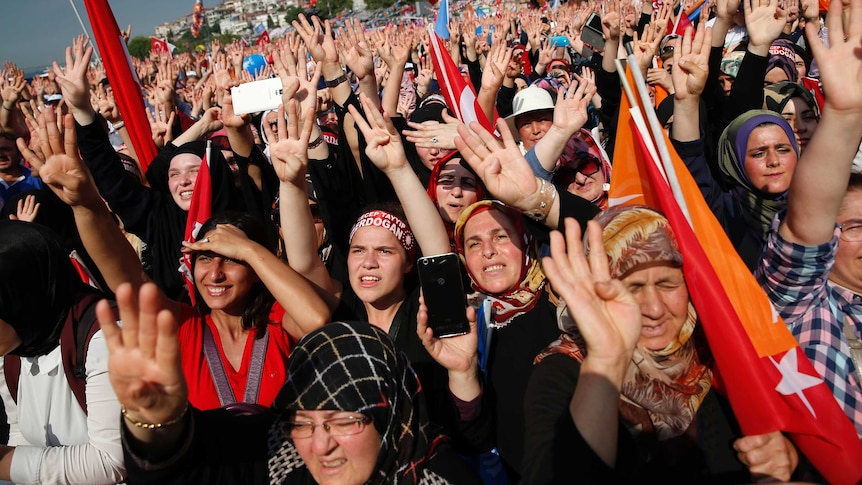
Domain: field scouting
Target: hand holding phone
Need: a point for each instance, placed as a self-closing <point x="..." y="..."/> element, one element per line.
<point x="443" y="291"/>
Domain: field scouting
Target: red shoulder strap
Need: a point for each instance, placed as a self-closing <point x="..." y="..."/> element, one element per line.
<point x="80" y="326"/>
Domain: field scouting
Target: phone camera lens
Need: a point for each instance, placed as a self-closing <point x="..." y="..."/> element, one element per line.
<point x="441" y="281"/>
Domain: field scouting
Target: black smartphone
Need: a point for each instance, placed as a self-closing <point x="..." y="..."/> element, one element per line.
<point x="440" y="277"/>
<point x="592" y="32"/>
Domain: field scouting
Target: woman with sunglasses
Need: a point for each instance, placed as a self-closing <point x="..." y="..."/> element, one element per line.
<point x="585" y="170"/>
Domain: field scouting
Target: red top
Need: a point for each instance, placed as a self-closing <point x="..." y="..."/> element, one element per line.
<point x="202" y="389"/>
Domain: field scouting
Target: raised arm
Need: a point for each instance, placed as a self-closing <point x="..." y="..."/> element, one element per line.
<point x="570" y="114"/>
<point x="387" y="153"/>
<point x="290" y="160"/>
<point x="69" y="178"/>
<point x="690" y="71"/>
<point x="821" y="175"/>
<point x="609" y="318"/>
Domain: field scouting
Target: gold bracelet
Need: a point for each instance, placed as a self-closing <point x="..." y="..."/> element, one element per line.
<point x="139" y="424"/>
<point x="544" y="203"/>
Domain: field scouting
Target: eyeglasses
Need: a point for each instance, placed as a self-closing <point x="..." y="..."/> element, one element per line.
<point x="333" y="427"/>
<point x="851" y="231"/>
<point x="567" y="175"/>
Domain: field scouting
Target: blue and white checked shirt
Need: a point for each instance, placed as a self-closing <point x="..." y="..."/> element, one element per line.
<point x="796" y="279"/>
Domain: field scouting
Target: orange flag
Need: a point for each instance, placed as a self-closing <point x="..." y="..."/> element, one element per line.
<point x="769" y="381"/>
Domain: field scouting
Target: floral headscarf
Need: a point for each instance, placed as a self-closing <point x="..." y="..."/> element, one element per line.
<point x="522" y="297"/>
<point x="662" y="390"/>
<point x="582" y="146"/>
<point x="758" y="207"/>
<point x="355" y="366"/>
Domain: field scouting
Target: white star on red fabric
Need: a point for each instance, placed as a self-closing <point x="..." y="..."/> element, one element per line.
<point x="793" y="381"/>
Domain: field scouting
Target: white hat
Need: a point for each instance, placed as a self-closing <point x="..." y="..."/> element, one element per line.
<point x="533" y="98"/>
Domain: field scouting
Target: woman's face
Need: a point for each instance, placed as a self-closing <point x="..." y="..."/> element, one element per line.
<point x="493" y="251"/>
<point x="182" y="174"/>
<point x="342" y="460"/>
<point x="802" y="119"/>
<point x="430" y="156"/>
<point x="224" y="284"/>
<point x="456" y="189"/>
<point x="769" y="159"/>
<point x="532" y="126"/>
<point x="775" y="75"/>
<point x="663" y="297"/>
<point x="377" y="263"/>
<point x="587" y="182"/>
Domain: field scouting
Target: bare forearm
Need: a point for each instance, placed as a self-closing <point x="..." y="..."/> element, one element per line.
<point x="424" y="220"/>
<point x="551" y="146"/>
<point x="392" y="89"/>
<point x="685" y="120"/>
<point x="820" y="179"/>
<point x="241" y="140"/>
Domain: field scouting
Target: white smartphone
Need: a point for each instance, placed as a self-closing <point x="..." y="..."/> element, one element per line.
<point x="257" y="96"/>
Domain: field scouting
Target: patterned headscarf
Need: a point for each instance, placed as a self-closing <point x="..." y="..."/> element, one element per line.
<point x="522" y="297"/>
<point x="783" y="56"/>
<point x="777" y="95"/>
<point x="758" y="208"/>
<point x="662" y="389"/>
<point x="355" y="367"/>
<point x="582" y="146"/>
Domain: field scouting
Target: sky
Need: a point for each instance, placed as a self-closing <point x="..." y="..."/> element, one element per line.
<point x="33" y="33"/>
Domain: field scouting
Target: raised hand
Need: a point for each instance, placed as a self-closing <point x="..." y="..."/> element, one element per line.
<point x="499" y="163"/>
<point x="160" y="125"/>
<point x="62" y="168"/>
<point x="289" y="153"/>
<point x="607" y="314"/>
<point x="691" y="63"/>
<point x="611" y="22"/>
<point x="495" y="67"/>
<point x="841" y="62"/>
<point x="455" y="354"/>
<point x="647" y="47"/>
<point x="357" y="55"/>
<point x="72" y="79"/>
<point x="570" y="112"/>
<point x="431" y="134"/>
<point x="384" y="147"/>
<point x="764" y="20"/>
<point x="144" y="355"/>
<point x="27" y="209"/>
<point x="317" y="38"/>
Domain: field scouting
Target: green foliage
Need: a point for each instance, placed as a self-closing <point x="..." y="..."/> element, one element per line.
<point x="270" y="24"/>
<point x="139" y="46"/>
<point x="378" y="4"/>
<point x="293" y="13"/>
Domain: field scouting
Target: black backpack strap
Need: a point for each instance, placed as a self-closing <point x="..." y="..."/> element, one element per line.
<point x="75" y="341"/>
<point x="11" y="371"/>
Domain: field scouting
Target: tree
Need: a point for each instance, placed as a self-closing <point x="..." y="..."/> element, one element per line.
<point x="270" y="24"/>
<point x="293" y="13"/>
<point x="139" y="46"/>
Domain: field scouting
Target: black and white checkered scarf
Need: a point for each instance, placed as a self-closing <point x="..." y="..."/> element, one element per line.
<point x="352" y="366"/>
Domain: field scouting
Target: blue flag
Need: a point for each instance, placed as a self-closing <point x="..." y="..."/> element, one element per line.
<point x="441" y="28"/>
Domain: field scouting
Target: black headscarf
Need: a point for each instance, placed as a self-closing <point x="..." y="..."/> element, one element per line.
<point x="354" y="366"/>
<point x="38" y="285"/>
<point x="167" y="222"/>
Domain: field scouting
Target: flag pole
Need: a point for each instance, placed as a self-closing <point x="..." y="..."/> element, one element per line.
<point x="84" y="29"/>
<point x="658" y="136"/>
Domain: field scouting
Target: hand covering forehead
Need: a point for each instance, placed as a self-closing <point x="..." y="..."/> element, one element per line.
<point x="636" y="236"/>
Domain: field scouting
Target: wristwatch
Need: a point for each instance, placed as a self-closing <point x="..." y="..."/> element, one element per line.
<point x="335" y="82"/>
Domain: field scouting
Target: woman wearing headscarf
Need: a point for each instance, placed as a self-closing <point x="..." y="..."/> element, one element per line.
<point x="41" y="298"/>
<point x="453" y="187"/>
<point x="351" y="412"/>
<point x="796" y="105"/>
<point x="631" y="396"/>
<point x="584" y="169"/>
<point x="757" y="155"/>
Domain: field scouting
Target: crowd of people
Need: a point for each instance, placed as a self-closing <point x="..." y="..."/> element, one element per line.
<point x="300" y="307"/>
